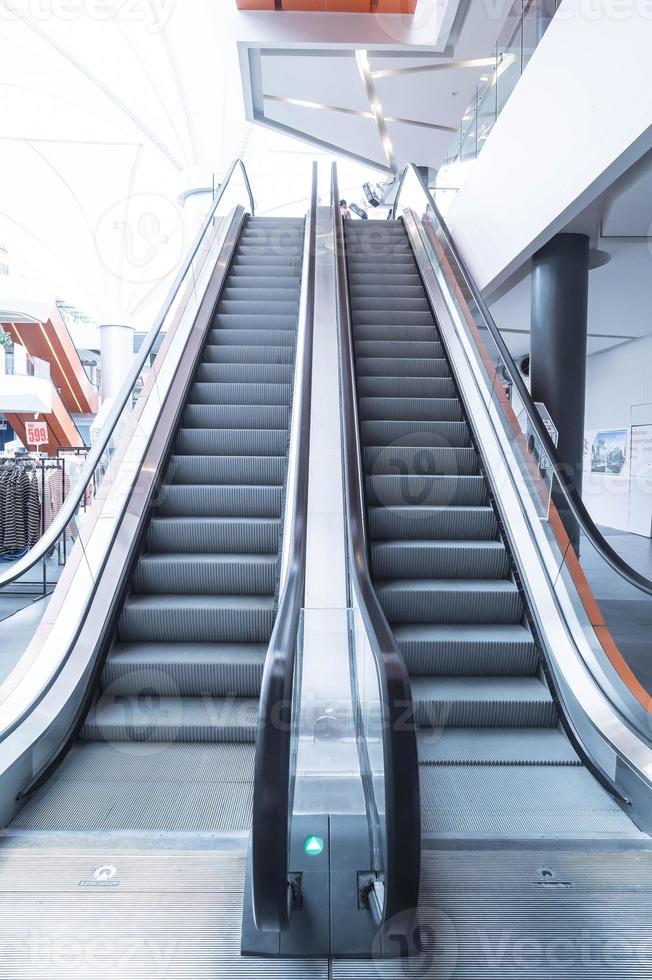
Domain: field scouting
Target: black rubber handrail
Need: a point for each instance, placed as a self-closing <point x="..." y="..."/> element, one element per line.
<point x="402" y="797"/>
<point x="272" y="804"/>
<point x="73" y="499"/>
<point x="571" y="496"/>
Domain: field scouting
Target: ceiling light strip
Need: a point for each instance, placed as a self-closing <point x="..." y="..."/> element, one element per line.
<point x="435" y="66"/>
<point x="376" y="108"/>
<point x="305" y="104"/>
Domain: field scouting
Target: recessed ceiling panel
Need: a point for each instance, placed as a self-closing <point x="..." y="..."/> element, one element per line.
<point x="414" y="144"/>
<point x="435" y="97"/>
<point x="356" y="135"/>
<point x="328" y="80"/>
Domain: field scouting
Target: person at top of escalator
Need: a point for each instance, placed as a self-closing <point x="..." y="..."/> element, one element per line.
<point x="344" y="209"/>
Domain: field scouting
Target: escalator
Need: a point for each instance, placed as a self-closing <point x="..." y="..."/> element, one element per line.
<point x="494" y="758"/>
<point x="169" y="740"/>
<point x="150" y="765"/>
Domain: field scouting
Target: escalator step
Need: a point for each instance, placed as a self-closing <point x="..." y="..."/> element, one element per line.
<point x="369" y="258"/>
<point x="249" y="270"/>
<point x="236" y="416"/>
<point x="495" y="747"/>
<point x="264" y="309"/>
<point x="410" y="409"/>
<point x="232" y="442"/>
<point x="395" y="318"/>
<point x="205" y="574"/>
<point x="253" y="332"/>
<point x="198" y="500"/>
<point x="263" y="285"/>
<point x="247" y="470"/>
<point x="406" y="367"/>
<point x="184" y="670"/>
<point x="398" y="348"/>
<point x="240" y="393"/>
<point x="257" y="259"/>
<point x="176" y="719"/>
<point x="371" y="332"/>
<point x="384" y="433"/>
<point x="214" y="535"/>
<point x="383" y="387"/>
<point x="439" y="559"/>
<point x="449" y="601"/>
<point x="436" y="523"/>
<point x="387" y="280"/>
<point x="278" y="352"/>
<point x="378" y="303"/>
<point x="420" y="460"/>
<point x="426" y="491"/>
<point x="245" y="373"/>
<point x="395" y="293"/>
<point x="254" y="316"/>
<point x="197" y="619"/>
<point x="462" y="650"/>
<point x="482" y="702"/>
<point x="249" y="293"/>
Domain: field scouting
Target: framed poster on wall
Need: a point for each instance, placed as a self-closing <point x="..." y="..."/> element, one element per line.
<point x="640" y="487"/>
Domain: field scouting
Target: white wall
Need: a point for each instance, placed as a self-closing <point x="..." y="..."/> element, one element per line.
<point x="579" y="117"/>
<point x="619" y="395"/>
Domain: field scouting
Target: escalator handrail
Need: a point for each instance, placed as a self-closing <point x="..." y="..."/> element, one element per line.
<point x="572" y="497"/>
<point x="272" y="803"/>
<point x="72" y="501"/>
<point x="401" y="773"/>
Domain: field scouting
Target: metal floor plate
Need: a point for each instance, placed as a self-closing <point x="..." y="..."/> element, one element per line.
<point x="113" y="910"/>
<point x="90" y="907"/>
<point x="513" y="913"/>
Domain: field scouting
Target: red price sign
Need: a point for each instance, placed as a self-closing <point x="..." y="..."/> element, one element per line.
<point x="36" y="433"/>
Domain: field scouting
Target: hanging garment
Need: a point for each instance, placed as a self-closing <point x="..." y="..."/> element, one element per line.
<point x="34" y="519"/>
<point x="57" y="489"/>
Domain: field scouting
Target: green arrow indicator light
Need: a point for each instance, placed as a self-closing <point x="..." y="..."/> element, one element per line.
<point x="313" y="845"/>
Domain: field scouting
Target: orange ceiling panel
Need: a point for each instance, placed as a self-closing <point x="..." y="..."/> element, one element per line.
<point x="51" y="342"/>
<point x="333" y="6"/>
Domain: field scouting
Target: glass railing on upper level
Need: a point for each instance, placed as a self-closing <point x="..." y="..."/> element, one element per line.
<point x="602" y="597"/>
<point x="521" y="34"/>
<point x="16" y="362"/>
<point x="79" y="516"/>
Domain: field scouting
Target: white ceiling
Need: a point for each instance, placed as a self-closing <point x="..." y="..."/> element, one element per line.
<point x="311" y="59"/>
<point x="619" y="224"/>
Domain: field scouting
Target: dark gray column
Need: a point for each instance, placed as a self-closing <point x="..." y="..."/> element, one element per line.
<point x="560" y="286"/>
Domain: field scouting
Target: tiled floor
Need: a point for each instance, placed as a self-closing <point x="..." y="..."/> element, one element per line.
<point x="28" y="588"/>
<point x="628" y="612"/>
<point x="15" y="634"/>
<point x="21" y="613"/>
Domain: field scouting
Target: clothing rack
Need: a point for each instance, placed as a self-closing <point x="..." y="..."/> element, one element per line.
<point x="38" y="461"/>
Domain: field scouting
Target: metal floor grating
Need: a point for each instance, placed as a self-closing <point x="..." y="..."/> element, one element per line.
<point x="174" y="911"/>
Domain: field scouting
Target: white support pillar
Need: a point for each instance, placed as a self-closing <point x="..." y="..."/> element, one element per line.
<point x="117" y="352"/>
